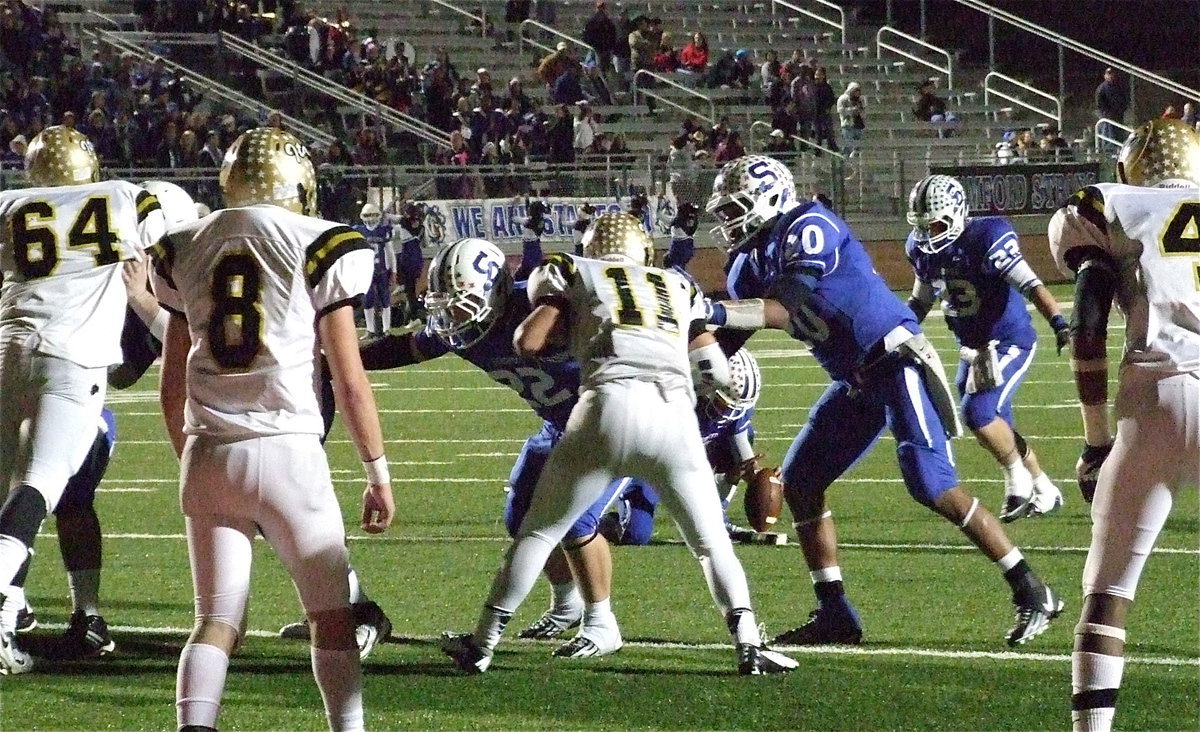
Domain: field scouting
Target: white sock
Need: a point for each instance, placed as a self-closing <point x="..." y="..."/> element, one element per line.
<point x="14" y="601"/>
<point x="85" y="590"/>
<point x="1016" y="473"/>
<point x="13" y="553"/>
<point x="826" y="574"/>
<point x="490" y="627"/>
<point x="1093" y="672"/>
<point x="385" y="315"/>
<point x="369" y="316"/>
<point x="357" y="594"/>
<point x="1010" y="560"/>
<point x="339" y="677"/>
<point x="565" y="598"/>
<point x="199" y="684"/>
<point x="599" y="614"/>
<point x="746" y="630"/>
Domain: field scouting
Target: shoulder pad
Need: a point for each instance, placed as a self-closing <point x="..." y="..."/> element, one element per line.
<point x="1089" y="203"/>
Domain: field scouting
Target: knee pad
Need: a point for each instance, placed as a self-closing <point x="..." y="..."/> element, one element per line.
<point x="23" y="513"/>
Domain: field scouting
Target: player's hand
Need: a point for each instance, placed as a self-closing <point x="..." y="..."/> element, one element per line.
<point x="135" y="273"/>
<point x="1062" y="332"/>
<point x="744" y="471"/>
<point x="1087" y="469"/>
<point x="378" y="508"/>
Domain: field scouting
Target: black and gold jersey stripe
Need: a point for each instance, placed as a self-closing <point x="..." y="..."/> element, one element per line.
<point x="146" y="203"/>
<point x="1089" y="202"/>
<point x="327" y="249"/>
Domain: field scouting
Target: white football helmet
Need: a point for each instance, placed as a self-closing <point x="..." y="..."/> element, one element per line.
<point x="937" y="198"/>
<point x="177" y="206"/>
<point x="370" y="215"/>
<point x="1162" y="152"/>
<point x="469" y="287"/>
<point x="618" y="237"/>
<point x="745" y="388"/>
<point x="202" y="209"/>
<point x="748" y="194"/>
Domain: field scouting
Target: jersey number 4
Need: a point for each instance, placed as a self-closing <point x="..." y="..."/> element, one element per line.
<point x="629" y="310"/>
<point x="235" y="326"/>
<point x="1181" y="237"/>
<point x="35" y="243"/>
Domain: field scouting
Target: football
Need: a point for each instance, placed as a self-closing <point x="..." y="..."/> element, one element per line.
<point x="764" y="499"/>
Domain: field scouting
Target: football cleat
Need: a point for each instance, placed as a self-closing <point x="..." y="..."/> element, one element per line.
<point x="26" y="620"/>
<point x="1047" y="498"/>
<point x="296" y="631"/>
<point x="13" y="659"/>
<point x="467" y="654"/>
<point x="1035" y="609"/>
<point x="371" y="626"/>
<point x="583" y="646"/>
<point x="825" y="626"/>
<point x="86" y="637"/>
<point x="552" y="624"/>
<point x="754" y="660"/>
<point x="1018" y="496"/>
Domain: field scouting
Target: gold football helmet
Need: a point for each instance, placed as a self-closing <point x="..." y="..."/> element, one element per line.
<point x="61" y="156"/>
<point x="618" y="237"/>
<point x="268" y="165"/>
<point x="1160" y="152"/>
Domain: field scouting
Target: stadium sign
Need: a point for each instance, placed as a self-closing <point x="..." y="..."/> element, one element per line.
<point x="1019" y="188"/>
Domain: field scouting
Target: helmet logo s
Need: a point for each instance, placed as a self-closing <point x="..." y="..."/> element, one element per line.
<point x="760" y="170"/>
<point x="489" y="268"/>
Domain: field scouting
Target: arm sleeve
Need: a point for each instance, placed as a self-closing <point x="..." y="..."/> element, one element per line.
<point x="151" y="222"/>
<point x="338" y="267"/>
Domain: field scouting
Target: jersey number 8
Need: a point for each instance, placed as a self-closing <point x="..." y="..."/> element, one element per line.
<point x="235" y="326"/>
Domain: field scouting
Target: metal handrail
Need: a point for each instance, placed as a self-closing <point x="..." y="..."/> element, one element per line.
<point x="638" y="90"/>
<point x="215" y="88"/>
<point x="481" y="19"/>
<point x="1082" y="48"/>
<point x="988" y="92"/>
<point x="361" y="102"/>
<point x="839" y="25"/>
<point x="948" y="70"/>
<point x="1099" y="138"/>
<point x="554" y="32"/>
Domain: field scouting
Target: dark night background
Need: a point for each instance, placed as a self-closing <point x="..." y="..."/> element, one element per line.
<point x="1162" y="36"/>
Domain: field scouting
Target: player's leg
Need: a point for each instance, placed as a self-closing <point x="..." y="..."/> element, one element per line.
<point x="676" y="461"/>
<point x="1156" y="452"/>
<point x="409" y="273"/>
<point x="79" y="541"/>
<point x="300" y="518"/>
<point x="842" y="426"/>
<point x="924" y="454"/>
<point x="566" y="602"/>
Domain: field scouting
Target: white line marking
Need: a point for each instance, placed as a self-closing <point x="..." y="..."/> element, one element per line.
<point x="806" y="650"/>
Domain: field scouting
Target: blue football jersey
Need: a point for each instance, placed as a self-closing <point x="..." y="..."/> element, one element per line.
<point x="548" y="384"/>
<point x="379" y="238"/>
<point x="851" y="308"/>
<point x="969" y="278"/>
<point x="410" y="244"/>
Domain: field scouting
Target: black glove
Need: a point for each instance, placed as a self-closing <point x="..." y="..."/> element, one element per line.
<point x="535" y="220"/>
<point x="1088" y="468"/>
<point x="586" y="212"/>
<point x="1062" y="332"/>
<point x="687" y="219"/>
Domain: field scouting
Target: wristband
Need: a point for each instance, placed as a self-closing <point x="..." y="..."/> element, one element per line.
<point x="1095" y="424"/>
<point x="1058" y="322"/>
<point x="377" y="471"/>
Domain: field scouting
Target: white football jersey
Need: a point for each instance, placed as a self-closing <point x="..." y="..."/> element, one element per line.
<point x="61" y="250"/>
<point x="1153" y="236"/>
<point x="625" y="321"/>
<point x="252" y="282"/>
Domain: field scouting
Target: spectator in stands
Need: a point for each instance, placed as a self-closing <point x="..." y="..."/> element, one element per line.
<point x="682" y="168"/>
<point x="621" y="51"/>
<point x="743" y="70"/>
<point x="666" y="60"/>
<point x="601" y="34"/>
<point x="803" y="106"/>
<point x="1190" y="115"/>
<point x="102" y="135"/>
<point x="799" y="65"/>
<point x="367" y="148"/>
<point x="1053" y="145"/>
<point x="851" y="108"/>
<point x="515" y="13"/>
<point x="336" y="154"/>
<point x="561" y="136"/>
<point x="553" y="65"/>
<point x="211" y="155"/>
<point x="642" y="45"/>
<point x="439" y="92"/>
<point x="1171" y="112"/>
<point x="1112" y="100"/>
<point x="694" y="56"/>
<point x="517" y="98"/>
<point x="229" y="131"/>
<point x="768" y="72"/>
<point x="730" y="148"/>
<point x="547" y="12"/>
<point x="824" y="106"/>
<point x="778" y="142"/>
<point x="586" y="129"/>
<point x="14" y="154"/>
<point x="593" y="84"/>
<point x="929" y="107"/>
<point x="783" y="117"/>
<point x="1025" y="145"/>
<point x="567" y="89"/>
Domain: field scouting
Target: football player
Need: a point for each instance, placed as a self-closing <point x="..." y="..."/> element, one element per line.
<point x="377" y="304"/>
<point x="974" y="266"/>
<point x="254" y="291"/>
<point x="631" y="328"/>
<point x="683" y="233"/>
<point x="474" y="310"/>
<point x="1137" y="243"/>
<point x="62" y="242"/>
<point x="410" y="260"/>
<point x="797" y="267"/>
<point x="531" y="239"/>
<point x="728" y="435"/>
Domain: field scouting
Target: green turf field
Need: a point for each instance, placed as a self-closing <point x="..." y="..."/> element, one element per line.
<point x="934" y="610"/>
